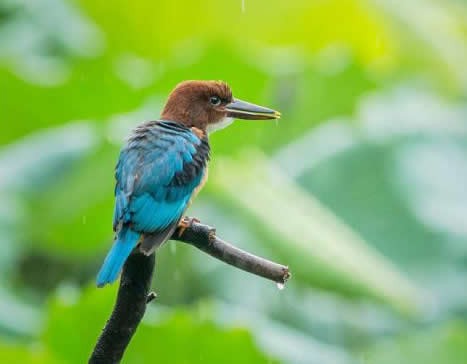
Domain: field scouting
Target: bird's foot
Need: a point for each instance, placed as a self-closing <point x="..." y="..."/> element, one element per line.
<point x="185" y="223"/>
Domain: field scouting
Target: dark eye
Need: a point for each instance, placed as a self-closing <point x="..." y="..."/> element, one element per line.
<point x="215" y="100"/>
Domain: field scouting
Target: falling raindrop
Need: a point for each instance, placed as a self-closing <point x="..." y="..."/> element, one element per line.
<point x="280" y="286"/>
<point x="84" y="219"/>
<point x="243" y="6"/>
<point x="173" y="247"/>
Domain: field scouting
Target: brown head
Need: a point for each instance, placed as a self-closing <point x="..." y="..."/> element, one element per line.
<point x="209" y="105"/>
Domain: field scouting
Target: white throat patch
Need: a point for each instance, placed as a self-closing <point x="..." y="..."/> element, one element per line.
<point x="225" y="122"/>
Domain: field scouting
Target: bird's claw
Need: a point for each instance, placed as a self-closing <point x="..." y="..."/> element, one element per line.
<point x="185" y="223"/>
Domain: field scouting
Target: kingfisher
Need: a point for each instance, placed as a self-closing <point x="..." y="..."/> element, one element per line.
<point x="164" y="164"/>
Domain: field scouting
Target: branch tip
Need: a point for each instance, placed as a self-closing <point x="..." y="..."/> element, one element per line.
<point x="286" y="275"/>
<point x="151" y="296"/>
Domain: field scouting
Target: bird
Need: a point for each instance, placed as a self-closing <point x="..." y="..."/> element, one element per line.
<point x="164" y="164"/>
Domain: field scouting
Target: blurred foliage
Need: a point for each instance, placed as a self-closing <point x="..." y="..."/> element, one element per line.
<point x="200" y="339"/>
<point x="360" y="188"/>
<point x="447" y="344"/>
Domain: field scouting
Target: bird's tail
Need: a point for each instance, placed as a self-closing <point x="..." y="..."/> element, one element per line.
<point x="125" y="242"/>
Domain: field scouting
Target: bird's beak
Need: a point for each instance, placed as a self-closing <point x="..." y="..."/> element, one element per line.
<point x="244" y="110"/>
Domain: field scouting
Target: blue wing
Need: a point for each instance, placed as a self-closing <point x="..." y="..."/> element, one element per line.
<point x="158" y="170"/>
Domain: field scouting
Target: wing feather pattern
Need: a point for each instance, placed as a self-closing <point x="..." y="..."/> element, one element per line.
<point x="158" y="170"/>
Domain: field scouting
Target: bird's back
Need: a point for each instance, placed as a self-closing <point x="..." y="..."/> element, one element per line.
<point x="159" y="168"/>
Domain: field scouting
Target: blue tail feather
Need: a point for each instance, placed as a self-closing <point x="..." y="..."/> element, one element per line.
<point x="124" y="244"/>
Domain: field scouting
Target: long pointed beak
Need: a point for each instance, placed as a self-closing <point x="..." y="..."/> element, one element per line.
<point x="244" y="110"/>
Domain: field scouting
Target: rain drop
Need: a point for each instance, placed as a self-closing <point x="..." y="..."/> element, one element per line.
<point x="173" y="247"/>
<point x="280" y="286"/>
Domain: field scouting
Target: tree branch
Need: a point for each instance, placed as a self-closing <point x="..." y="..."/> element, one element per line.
<point x="204" y="238"/>
<point x="135" y="282"/>
<point x="129" y="309"/>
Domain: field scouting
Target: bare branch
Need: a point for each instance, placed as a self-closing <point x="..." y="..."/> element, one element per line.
<point x="128" y="311"/>
<point x="204" y="238"/>
<point x="135" y="282"/>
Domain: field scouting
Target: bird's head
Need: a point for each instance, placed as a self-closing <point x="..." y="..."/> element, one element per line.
<point x="209" y="105"/>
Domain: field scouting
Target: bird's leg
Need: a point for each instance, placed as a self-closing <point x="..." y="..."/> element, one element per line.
<point x="185" y="223"/>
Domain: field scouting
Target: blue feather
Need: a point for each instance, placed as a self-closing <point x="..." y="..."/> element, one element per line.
<point x="126" y="241"/>
<point x="156" y="174"/>
<point x="150" y="215"/>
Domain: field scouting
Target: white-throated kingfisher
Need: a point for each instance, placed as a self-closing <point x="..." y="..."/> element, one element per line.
<point x="163" y="165"/>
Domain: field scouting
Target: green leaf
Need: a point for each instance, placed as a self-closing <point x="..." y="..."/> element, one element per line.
<point x="324" y="249"/>
<point x="26" y="355"/>
<point x="73" y="215"/>
<point x="185" y="336"/>
<point x="446" y="344"/>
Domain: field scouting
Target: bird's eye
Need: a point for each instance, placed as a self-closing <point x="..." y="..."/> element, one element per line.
<point x="215" y="100"/>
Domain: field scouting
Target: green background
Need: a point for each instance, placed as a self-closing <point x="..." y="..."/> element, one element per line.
<point x="360" y="188"/>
